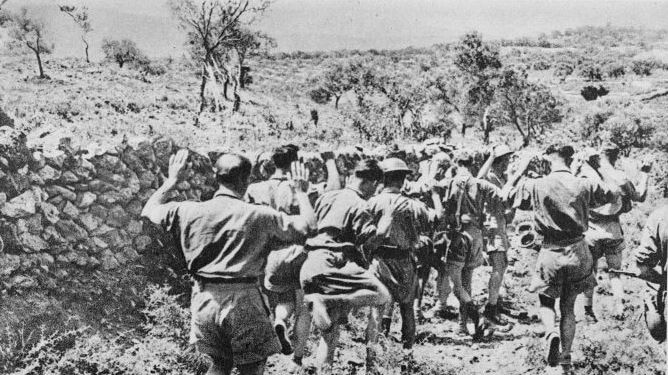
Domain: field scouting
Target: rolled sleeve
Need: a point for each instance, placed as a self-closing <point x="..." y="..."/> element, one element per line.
<point x="648" y="253"/>
<point x="282" y="226"/>
<point x="169" y="215"/>
<point x="519" y="197"/>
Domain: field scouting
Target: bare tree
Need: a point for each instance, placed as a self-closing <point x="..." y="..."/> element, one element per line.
<point x="82" y="20"/>
<point x="248" y="43"/>
<point x="212" y="27"/>
<point x="30" y="32"/>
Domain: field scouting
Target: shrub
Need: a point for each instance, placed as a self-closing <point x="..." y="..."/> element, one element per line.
<point x="563" y="70"/>
<point x="541" y="65"/>
<point x="643" y="67"/>
<point x="152" y="68"/>
<point x="590" y="93"/>
<point x="615" y="70"/>
<point x="627" y="131"/>
<point x="591" y="73"/>
<point x="122" y="52"/>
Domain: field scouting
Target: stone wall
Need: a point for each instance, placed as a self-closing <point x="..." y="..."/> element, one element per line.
<point x="71" y="209"/>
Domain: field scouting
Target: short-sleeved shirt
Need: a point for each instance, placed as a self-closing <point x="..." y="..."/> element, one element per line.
<point x="226" y="237"/>
<point x="343" y="220"/>
<point x="560" y="202"/>
<point x="410" y="218"/>
<point x="497" y="209"/>
<point x="274" y="192"/>
<point x="478" y="194"/>
<point x="622" y="202"/>
<point x="654" y="241"/>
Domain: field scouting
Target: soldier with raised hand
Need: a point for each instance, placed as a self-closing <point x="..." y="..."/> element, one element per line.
<point x="335" y="276"/>
<point x="394" y="259"/>
<point x="497" y="244"/>
<point x="464" y="202"/>
<point x="561" y="203"/>
<point x="225" y="244"/>
<point x="605" y="235"/>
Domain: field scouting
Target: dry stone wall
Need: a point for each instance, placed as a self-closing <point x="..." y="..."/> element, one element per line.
<point x="73" y="208"/>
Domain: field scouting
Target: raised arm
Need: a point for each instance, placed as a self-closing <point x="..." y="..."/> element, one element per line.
<point x="306" y="219"/>
<point x="156" y="206"/>
<point x="482" y="173"/>
<point x="333" y="176"/>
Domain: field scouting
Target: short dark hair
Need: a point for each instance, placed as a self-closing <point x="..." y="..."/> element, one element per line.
<point x="395" y="176"/>
<point x="564" y="151"/>
<point x="231" y="168"/>
<point x="284" y="156"/>
<point x="368" y="169"/>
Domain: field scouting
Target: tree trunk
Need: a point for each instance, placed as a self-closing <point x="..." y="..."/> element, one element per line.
<point x="485" y="126"/>
<point x="464" y="129"/>
<point x="336" y="101"/>
<point x="39" y="63"/>
<point x="225" y="84"/>
<point x="202" y="88"/>
<point x="86" y="50"/>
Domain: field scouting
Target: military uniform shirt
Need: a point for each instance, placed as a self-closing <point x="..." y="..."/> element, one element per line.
<point x="226" y="237"/>
<point x="478" y="194"/>
<point x="654" y="241"/>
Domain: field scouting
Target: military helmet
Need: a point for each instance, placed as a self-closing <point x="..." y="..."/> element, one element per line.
<point x="502" y="150"/>
<point x="464" y="155"/>
<point x="390" y="165"/>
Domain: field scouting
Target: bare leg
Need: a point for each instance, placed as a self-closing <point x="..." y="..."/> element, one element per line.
<point x="327" y="347"/>
<point x="499" y="264"/>
<point x="615" y="262"/>
<point x="567" y="325"/>
<point x="256" y="368"/>
<point x="407" y="324"/>
<point x="443" y="287"/>
<point x="302" y="325"/>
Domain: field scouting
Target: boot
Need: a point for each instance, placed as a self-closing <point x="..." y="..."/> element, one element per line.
<point x="590" y="317"/>
<point x="493" y="315"/>
<point x="385" y="325"/>
<point x="463" y="320"/>
<point x="474" y="314"/>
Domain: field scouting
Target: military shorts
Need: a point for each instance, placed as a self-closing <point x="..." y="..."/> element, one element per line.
<point x="330" y="273"/>
<point x="466" y="253"/>
<point x="605" y="238"/>
<point x="399" y="275"/>
<point x="230" y="322"/>
<point x="282" y="269"/>
<point x="563" y="268"/>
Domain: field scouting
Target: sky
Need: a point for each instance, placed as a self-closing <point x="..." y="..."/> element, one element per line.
<point x="350" y="24"/>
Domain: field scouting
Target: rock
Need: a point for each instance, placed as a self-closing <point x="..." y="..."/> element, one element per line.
<point x="99" y="243"/>
<point x="108" y="261"/>
<point x="134" y="208"/>
<point x="146" y="179"/>
<point x="32" y="224"/>
<point x="86" y="199"/>
<point x="99" y="211"/>
<point x="183" y="185"/>
<point x="70" y="231"/>
<point x="56" y="190"/>
<point x="48" y="174"/>
<point x="35" y="179"/>
<point x="21" y="206"/>
<point x="9" y="263"/>
<point x="131" y="158"/>
<point x="3" y="199"/>
<point x="132" y="182"/>
<point x="135" y="227"/>
<point x="32" y="243"/>
<point x="52" y="236"/>
<point x="93" y="262"/>
<point x="100" y="186"/>
<point x="69" y="178"/>
<point x="130" y="253"/>
<point x="118" y="217"/>
<point x="162" y="149"/>
<point x="117" y="238"/>
<point x="55" y="158"/>
<point x="107" y="162"/>
<point x="71" y="210"/>
<point x="22" y="282"/>
<point x="142" y="243"/>
<point x="89" y="222"/>
<point x="50" y="212"/>
<point x="111" y="198"/>
<point x="120" y="258"/>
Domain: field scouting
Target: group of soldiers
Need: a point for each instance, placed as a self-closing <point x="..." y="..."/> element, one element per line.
<point x="283" y="254"/>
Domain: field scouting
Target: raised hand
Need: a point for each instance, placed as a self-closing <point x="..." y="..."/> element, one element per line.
<point x="299" y="176"/>
<point x="177" y="163"/>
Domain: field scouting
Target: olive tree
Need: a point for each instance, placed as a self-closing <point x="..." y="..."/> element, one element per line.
<point x="30" y="32"/>
<point x="82" y="20"/>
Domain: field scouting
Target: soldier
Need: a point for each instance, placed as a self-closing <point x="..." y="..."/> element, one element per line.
<point x="335" y="275"/>
<point x="564" y="268"/>
<point x="464" y="202"/>
<point x="497" y="243"/>
<point x="394" y="260"/>
<point x="225" y="244"/>
<point x="605" y="236"/>
<point x="650" y="254"/>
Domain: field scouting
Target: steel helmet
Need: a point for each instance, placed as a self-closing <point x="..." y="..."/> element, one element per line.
<point x="502" y="150"/>
<point x="654" y="319"/>
<point x="394" y="165"/>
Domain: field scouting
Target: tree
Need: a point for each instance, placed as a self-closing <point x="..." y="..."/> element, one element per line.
<point x="212" y="28"/>
<point x="530" y="108"/>
<point x="480" y="63"/>
<point x="31" y="33"/>
<point x="122" y="52"/>
<point x="338" y="78"/>
<point x="248" y="43"/>
<point x="81" y="19"/>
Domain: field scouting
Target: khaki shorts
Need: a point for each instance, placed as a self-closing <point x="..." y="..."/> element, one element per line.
<point x="399" y="276"/>
<point x="282" y="270"/>
<point x="560" y="268"/>
<point x="329" y="273"/>
<point x="469" y="256"/>
<point x="230" y="322"/>
<point x="605" y="238"/>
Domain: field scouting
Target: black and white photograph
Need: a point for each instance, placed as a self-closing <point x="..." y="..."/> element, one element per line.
<point x="333" y="187"/>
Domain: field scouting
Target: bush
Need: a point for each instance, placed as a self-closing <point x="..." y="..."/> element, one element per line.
<point x="152" y="68"/>
<point x="541" y="65"/>
<point x="591" y="73"/>
<point x="643" y="67"/>
<point x="563" y="70"/>
<point x="122" y="52"/>
<point x="590" y="93"/>
<point x="320" y="95"/>
<point x="615" y="70"/>
<point x="627" y="131"/>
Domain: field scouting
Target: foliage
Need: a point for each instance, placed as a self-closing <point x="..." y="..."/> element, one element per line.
<point x="82" y="20"/>
<point x="590" y="93"/>
<point x="643" y="67"/>
<point x="530" y="108"/>
<point x="338" y="78"/>
<point x="563" y="70"/>
<point x="122" y="52"/>
<point x="627" y="127"/>
<point x="591" y="72"/>
<point x="31" y="32"/>
<point x="615" y="70"/>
